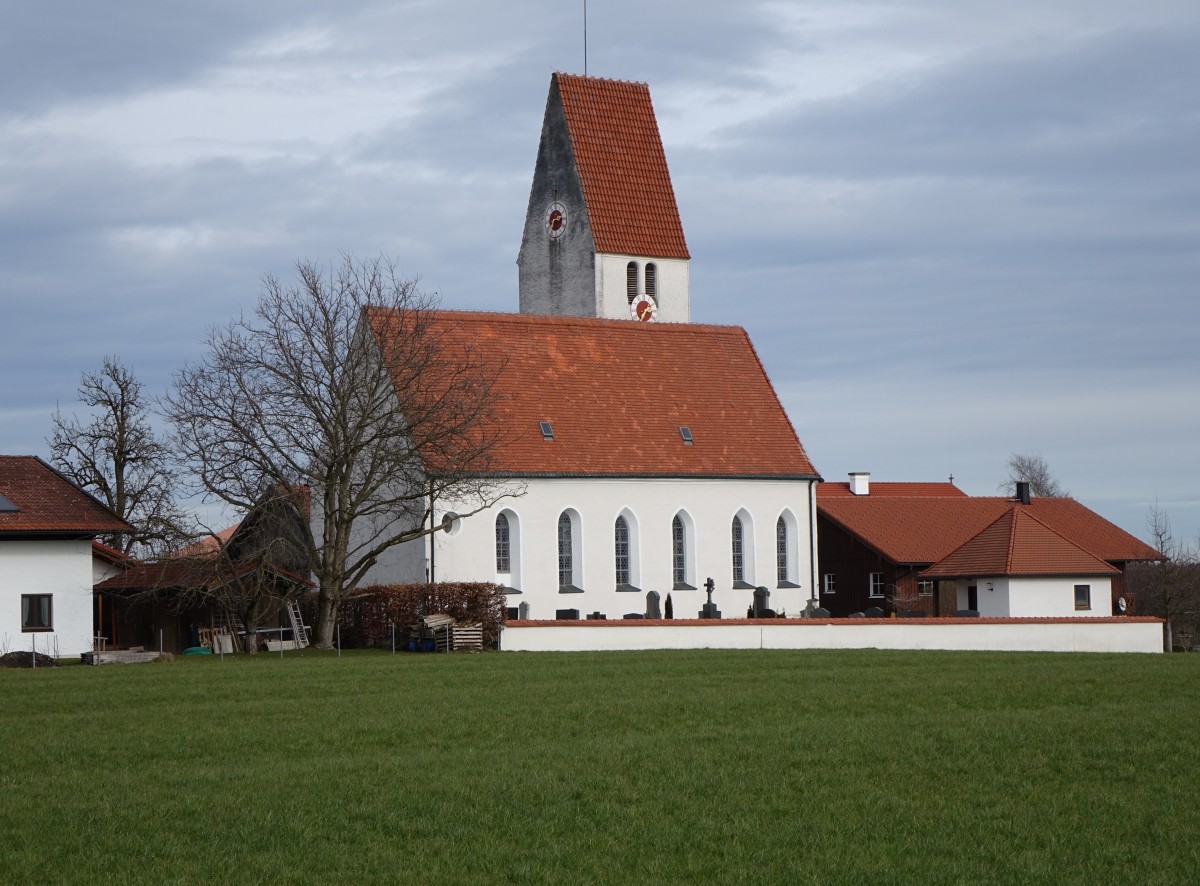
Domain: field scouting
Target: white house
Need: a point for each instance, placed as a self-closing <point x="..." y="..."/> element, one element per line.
<point x="46" y="558"/>
<point x="652" y="456"/>
<point x="1019" y="567"/>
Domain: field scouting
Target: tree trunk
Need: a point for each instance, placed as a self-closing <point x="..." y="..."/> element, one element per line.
<point x="327" y="608"/>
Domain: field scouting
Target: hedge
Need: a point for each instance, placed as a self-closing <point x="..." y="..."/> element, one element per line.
<point x="366" y="619"/>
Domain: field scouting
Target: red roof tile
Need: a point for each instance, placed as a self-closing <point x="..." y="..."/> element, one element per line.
<point x="925" y="530"/>
<point x="1018" y="543"/>
<point x="46" y="501"/>
<point x="910" y="490"/>
<point x="616" y="394"/>
<point x="207" y="545"/>
<point x="622" y="166"/>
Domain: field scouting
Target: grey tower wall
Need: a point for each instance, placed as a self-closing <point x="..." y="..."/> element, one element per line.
<point x="557" y="276"/>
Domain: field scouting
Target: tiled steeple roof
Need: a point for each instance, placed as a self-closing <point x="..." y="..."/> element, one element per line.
<point x="622" y="167"/>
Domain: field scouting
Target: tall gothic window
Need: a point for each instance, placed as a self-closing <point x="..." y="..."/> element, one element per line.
<point x="503" y="546"/>
<point x="652" y="280"/>
<point x="621" y="531"/>
<point x="678" y="551"/>
<point x="781" y="550"/>
<point x="565" y="564"/>
<point x="738" y="570"/>
<point x="631" y="281"/>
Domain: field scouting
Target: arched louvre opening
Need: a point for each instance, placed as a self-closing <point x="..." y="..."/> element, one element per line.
<point x="631" y="281"/>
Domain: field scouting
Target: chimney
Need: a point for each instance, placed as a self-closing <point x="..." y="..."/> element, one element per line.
<point x="860" y="482"/>
<point x="1023" y="492"/>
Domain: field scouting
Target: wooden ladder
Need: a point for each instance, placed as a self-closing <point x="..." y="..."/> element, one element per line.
<point x="299" y="631"/>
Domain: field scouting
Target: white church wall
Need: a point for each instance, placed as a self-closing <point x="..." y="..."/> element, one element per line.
<point x="62" y="569"/>
<point x="672" y="275"/>
<point x="467" y="553"/>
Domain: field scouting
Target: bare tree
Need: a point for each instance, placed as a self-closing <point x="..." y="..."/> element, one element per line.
<point x="341" y="385"/>
<point x="1169" y="588"/>
<point x="1031" y="468"/>
<point x="118" y="457"/>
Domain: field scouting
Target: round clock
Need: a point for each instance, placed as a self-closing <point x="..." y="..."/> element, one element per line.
<point x="556" y="220"/>
<point x="643" y="308"/>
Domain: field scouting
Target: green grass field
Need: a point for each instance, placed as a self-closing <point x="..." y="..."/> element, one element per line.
<point x="704" y="766"/>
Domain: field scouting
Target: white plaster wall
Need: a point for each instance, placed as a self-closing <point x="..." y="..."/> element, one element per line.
<point x="61" y="568"/>
<point x="1037" y="597"/>
<point x="674" y="301"/>
<point x="468" y="553"/>
<point x="103" y="569"/>
<point x="1067" y="635"/>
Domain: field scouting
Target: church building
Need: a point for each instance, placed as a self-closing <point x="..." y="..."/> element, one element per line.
<point x="651" y="453"/>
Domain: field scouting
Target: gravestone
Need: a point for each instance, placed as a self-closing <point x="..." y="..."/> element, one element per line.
<point x="762" y="601"/>
<point x="566" y="614"/>
<point x="523" y="611"/>
<point x="710" y="609"/>
<point x="652" y="608"/>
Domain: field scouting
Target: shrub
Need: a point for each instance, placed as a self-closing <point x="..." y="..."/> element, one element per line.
<point x="367" y="618"/>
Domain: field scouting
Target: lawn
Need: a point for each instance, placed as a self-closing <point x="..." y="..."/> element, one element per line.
<point x="656" y="767"/>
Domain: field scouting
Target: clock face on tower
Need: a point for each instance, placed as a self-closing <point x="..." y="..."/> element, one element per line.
<point x="556" y="220"/>
<point x="643" y="308"/>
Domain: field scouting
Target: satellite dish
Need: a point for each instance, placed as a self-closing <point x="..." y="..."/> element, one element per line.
<point x="1122" y="605"/>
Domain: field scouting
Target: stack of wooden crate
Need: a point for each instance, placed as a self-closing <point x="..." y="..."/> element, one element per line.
<point x="446" y="634"/>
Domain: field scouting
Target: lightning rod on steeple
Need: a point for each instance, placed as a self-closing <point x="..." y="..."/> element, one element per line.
<point x="585" y="38"/>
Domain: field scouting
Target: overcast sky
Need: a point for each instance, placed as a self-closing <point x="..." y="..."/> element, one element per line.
<point x="954" y="229"/>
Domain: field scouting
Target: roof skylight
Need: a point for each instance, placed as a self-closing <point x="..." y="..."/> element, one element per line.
<point x="6" y="506"/>
<point x="547" y="430"/>
<point x="686" y="434"/>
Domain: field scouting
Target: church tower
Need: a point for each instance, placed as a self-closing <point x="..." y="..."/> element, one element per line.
<point x="602" y="232"/>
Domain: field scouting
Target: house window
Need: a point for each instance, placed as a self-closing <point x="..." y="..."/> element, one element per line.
<point x="566" y="553"/>
<point x="781" y="550"/>
<point x="1083" y="596"/>
<point x="621" y="533"/>
<point x="37" y="612"/>
<point x="738" y="570"/>
<point x="828" y="583"/>
<point x="631" y="281"/>
<point x="925" y="588"/>
<point x="503" y="545"/>
<point x="651" y="280"/>
<point x="876" y="584"/>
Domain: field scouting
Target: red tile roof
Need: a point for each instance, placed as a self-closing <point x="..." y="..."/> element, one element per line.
<point x="622" y="167"/>
<point x="110" y="554"/>
<point x="910" y="490"/>
<point x="1018" y="543"/>
<point x="617" y="392"/>
<point x="207" y="545"/>
<point x="925" y="530"/>
<point x="46" y="501"/>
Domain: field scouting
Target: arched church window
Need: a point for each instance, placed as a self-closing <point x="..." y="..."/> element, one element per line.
<point x="781" y="550"/>
<point x="566" y="570"/>
<point x="739" y="573"/>
<point x="679" y="552"/>
<point x="621" y="532"/>
<point x="631" y="281"/>
<point x="652" y="280"/>
<point x="503" y="544"/>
